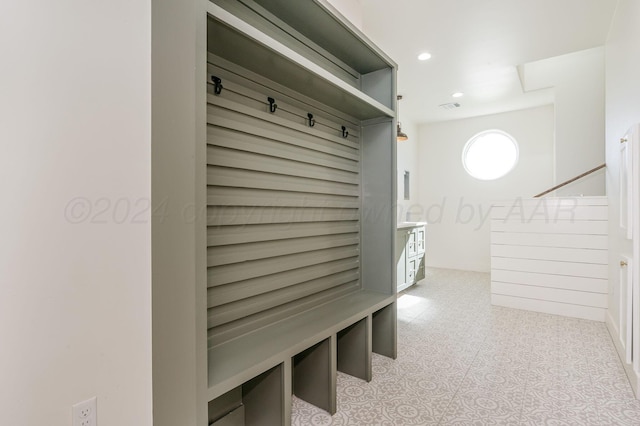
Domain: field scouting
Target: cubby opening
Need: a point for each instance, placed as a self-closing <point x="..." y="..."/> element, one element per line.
<point x="314" y="375"/>
<point x="258" y="402"/>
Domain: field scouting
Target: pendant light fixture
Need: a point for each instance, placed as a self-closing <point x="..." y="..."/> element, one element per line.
<point x="400" y="135"/>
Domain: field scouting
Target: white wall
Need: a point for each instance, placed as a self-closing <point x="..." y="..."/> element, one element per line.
<point x="622" y="111"/>
<point x="457" y="205"/>
<point x="578" y="84"/>
<point x="407" y="160"/>
<point x="351" y="9"/>
<point x="579" y="110"/>
<point x="75" y="254"/>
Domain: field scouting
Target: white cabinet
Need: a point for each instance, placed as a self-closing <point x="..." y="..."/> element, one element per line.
<point x="410" y="243"/>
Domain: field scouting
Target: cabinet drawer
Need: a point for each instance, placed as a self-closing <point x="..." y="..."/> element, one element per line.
<point x="412" y="246"/>
<point x="412" y="269"/>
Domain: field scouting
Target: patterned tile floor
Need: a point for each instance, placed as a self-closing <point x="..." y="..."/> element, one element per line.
<point x="462" y="361"/>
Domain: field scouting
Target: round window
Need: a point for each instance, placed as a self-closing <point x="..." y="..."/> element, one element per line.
<point x="490" y="155"/>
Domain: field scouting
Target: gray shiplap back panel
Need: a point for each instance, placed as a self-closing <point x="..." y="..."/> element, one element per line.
<point x="283" y="206"/>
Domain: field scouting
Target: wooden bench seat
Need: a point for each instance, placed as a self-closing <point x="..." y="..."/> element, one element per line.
<point x="312" y="345"/>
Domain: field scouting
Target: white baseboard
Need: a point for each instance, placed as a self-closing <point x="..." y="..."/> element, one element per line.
<point x="614" y="332"/>
<point x="634" y="378"/>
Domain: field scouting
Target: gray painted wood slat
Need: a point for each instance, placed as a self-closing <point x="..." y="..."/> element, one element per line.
<point x="254" y="233"/>
<point x="249" y="306"/>
<point x="245" y="325"/>
<point x="224" y="255"/>
<point x="242" y="141"/>
<point x="220" y="295"/>
<point x="219" y="107"/>
<point x="252" y="127"/>
<point x="235" y="272"/>
<point x="224" y="157"/>
<point x="229" y="196"/>
<point x="283" y="213"/>
<point x="251" y="179"/>
<point x="231" y="215"/>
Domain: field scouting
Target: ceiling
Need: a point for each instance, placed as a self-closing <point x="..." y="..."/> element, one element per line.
<point x="477" y="47"/>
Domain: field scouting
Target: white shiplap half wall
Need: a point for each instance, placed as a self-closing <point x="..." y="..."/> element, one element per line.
<point x="550" y="255"/>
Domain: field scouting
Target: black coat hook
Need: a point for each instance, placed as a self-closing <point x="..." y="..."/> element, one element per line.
<point x="312" y="122"/>
<point x="217" y="83"/>
<point x="272" y="104"/>
<point x="344" y="132"/>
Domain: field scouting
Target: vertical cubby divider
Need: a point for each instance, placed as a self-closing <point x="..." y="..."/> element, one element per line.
<point x="314" y="375"/>
<point x="354" y="349"/>
<point x="264" y="398"/>
<point x="384" y="331"/>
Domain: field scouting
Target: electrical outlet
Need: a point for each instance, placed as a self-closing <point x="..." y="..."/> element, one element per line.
<point x="85" y="413"/>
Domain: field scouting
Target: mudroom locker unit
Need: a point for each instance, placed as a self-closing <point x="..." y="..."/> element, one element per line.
<point x="300" y="207"/>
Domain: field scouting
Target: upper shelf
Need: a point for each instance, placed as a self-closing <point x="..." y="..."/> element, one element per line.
<point x="319" y="21"/>
<point x="287" y="60"/>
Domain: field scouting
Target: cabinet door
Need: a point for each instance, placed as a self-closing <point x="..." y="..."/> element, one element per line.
<point x="401" y="259"/>
<point x="412" y="268"/>
<point x="420" y="268"/>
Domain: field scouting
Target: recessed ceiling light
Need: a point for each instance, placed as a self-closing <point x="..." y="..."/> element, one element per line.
<point x="458" y="95"/>
<point x="424" y="56"/>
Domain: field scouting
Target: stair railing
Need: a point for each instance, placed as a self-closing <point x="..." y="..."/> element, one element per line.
<point x="567" y="182"/>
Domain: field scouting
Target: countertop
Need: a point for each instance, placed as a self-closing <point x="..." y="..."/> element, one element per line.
<point x="403" y="225"/>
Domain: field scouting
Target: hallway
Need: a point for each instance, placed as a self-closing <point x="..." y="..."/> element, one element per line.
<point x="462" y="361"/>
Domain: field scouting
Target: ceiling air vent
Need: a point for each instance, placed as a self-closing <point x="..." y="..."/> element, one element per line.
<point x="450" y="105"/>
